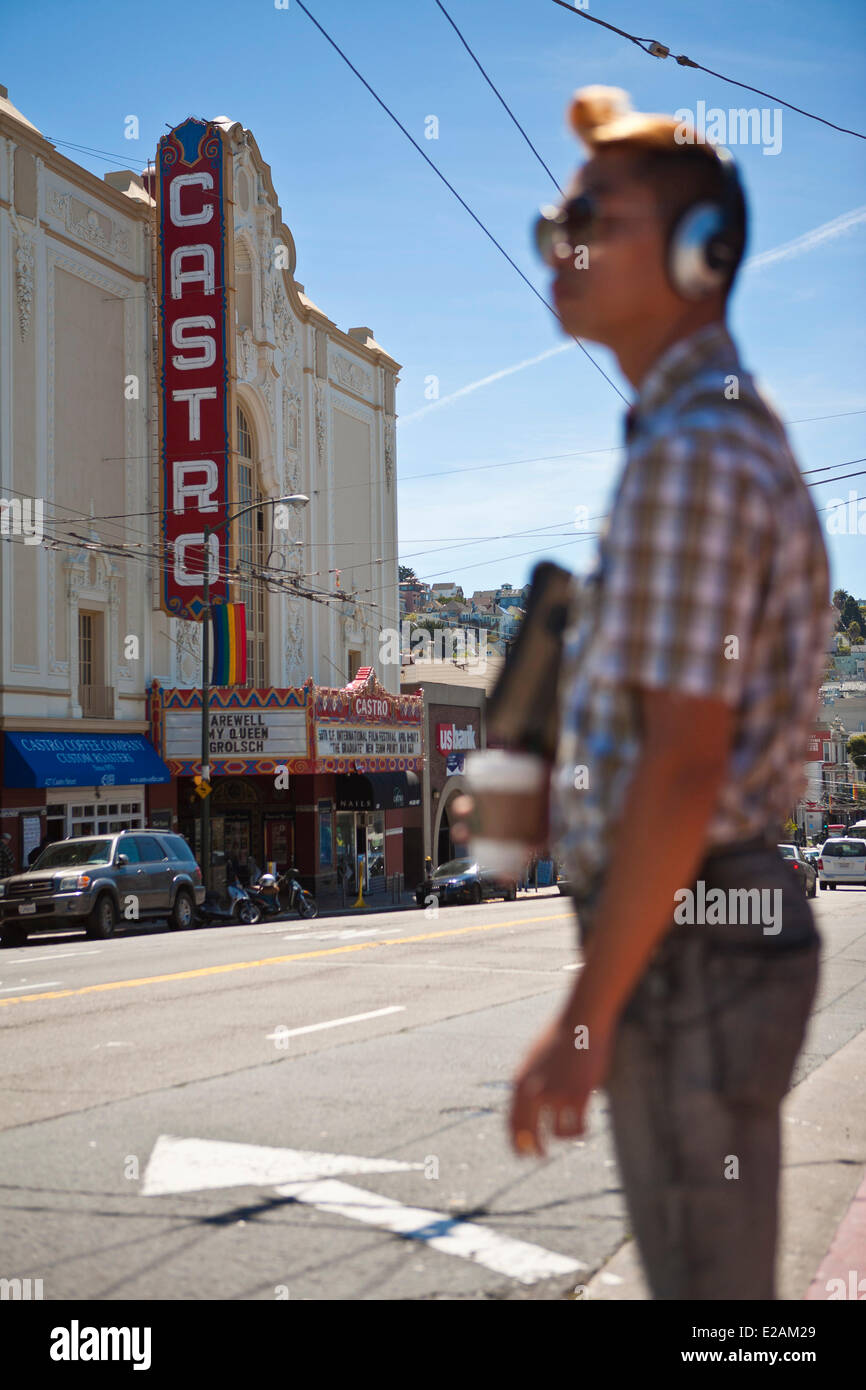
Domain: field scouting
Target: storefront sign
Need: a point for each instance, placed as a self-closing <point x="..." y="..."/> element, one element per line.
<point x="360" y="741"/>
<point x="451" y="739"/>
<point x="195" y="417"/>
<point x="245" y="734"/>
<point x="81" y="760"/>
<point x="371" y="707"/>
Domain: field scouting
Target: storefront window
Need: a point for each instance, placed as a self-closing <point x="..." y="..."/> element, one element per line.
<point x="326" y="838"/>
<point x="96" y="817"/>
<point x="376" y="846"/>
<point x="346" y="848"/>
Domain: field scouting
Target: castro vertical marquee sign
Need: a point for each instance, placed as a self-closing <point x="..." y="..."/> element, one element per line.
<point x="193" y="169"/>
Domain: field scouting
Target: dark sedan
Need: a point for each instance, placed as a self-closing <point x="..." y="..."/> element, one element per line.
<point x="806" y="873"/>
<point x="463" y="881"/>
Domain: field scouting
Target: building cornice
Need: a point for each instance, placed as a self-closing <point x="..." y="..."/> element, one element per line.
<point x="29" y="139"/>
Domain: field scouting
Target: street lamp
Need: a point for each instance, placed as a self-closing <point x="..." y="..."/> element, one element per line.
<point x="299" y="499"/>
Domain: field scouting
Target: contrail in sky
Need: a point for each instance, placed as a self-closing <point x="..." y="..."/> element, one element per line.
<point x="800" y="245"/>
<point x="485" y="381"/>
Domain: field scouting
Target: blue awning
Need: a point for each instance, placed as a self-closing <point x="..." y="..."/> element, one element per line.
<point x="81" y="760"/>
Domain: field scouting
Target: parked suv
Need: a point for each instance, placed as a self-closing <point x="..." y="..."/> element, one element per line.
<point x="842" y="860"/>
<point x="96" y="880"/>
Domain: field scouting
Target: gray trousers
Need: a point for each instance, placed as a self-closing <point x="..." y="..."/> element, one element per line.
<point x="702" y="1057"/>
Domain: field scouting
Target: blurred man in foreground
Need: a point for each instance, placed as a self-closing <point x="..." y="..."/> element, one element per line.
<point x="692" y="662"/>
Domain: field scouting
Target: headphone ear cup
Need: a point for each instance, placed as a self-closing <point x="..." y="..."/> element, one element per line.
<point x="698" y="255"/>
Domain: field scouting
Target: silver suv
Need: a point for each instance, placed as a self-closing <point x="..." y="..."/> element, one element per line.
<point x="97" y="880"/>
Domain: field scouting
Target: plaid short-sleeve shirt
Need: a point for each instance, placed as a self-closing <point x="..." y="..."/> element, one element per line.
<point x="712" y="580"/>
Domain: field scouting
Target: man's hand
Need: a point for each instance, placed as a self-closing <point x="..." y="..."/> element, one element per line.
<point x="566" y="1064"/>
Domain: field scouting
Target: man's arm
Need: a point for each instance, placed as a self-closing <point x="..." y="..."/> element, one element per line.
<point x="659" y="845"/>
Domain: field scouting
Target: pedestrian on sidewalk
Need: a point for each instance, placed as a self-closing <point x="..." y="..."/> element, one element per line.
<point x="689" y="685"/>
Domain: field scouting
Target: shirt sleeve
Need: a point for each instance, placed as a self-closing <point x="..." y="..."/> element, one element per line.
<point x="684" y="568"/>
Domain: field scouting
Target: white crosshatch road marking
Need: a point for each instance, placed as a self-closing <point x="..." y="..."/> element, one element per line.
<point x="194" y="1165"/>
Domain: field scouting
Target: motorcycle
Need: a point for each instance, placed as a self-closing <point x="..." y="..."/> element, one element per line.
<point x="266" y="896"/>
<point x="241" y="908"/>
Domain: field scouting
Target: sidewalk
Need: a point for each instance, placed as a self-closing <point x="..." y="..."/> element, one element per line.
<point x="822" y="1234"/>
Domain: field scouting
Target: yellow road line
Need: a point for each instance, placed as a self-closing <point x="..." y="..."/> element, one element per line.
<point x="276" y="960"/>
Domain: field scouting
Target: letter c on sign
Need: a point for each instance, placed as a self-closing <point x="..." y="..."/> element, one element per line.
<point x="183" y="576"/>
<point x="189" y="219"/>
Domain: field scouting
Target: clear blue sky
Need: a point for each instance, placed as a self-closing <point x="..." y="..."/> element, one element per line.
<point x="382" y="242"/>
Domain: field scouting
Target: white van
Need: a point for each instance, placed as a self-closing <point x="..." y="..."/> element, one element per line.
<point x="842" y="860"/>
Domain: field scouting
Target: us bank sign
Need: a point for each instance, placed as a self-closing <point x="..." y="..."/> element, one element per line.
<point x="193" y="171"/>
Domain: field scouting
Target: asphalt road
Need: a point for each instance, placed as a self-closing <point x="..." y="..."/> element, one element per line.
<point x="204" y="1115"/>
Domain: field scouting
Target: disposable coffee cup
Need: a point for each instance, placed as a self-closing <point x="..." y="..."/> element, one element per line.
<point x="509" y="818"/>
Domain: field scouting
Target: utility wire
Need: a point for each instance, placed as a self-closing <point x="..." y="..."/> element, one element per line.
<point x="499" y="96"/>
<point x="462" y="201"/>
<point x="660" y="50"/>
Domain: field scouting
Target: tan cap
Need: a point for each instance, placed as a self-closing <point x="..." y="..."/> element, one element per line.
<point x="603" y="116"/>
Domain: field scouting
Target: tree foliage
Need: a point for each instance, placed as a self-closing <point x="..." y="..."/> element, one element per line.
<point x="857" y="749"/>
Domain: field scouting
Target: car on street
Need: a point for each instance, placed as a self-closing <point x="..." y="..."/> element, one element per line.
<point x="95" y="881"/>
<point x="842" y="860"/>
<point x="464" y="881"/>
<point x="806" y="872"/>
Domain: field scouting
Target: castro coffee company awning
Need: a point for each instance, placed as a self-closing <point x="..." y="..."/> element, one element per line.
<point x="81" y="760"/>
<point x="377" y="791"/>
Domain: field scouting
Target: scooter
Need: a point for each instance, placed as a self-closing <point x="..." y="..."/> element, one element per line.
<point x="241" y="909"/>
<point x="266" y="896"/>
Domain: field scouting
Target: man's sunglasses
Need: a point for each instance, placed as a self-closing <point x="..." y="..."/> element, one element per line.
<point x="560" y="230"/>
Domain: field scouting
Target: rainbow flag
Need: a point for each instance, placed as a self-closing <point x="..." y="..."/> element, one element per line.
<point x="229" y="644"/>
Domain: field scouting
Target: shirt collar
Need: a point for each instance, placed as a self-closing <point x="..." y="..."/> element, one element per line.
<point x="680" y="363"/>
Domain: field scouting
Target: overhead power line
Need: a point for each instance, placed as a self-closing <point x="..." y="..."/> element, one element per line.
<point x="660" y="50"/>
<point x="499" y="96"/>
<point x="462" y="201"/>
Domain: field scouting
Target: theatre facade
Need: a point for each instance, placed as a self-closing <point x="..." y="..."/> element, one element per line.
<point x="309" y="776"/>
<point x="165" y="371"/>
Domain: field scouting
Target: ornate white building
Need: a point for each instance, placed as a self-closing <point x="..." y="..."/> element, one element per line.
<point x="82" y="632"/>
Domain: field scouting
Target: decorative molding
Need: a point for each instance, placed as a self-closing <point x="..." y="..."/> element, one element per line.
<point x="358" y="411"/>
<point x="291" y="438"/>
<point x="285" y="330"/>
<point x="86" y="224"/>
<point x="321" y="424"/>
<point x="353" y="626"/>
<point x="294" y="651"/>
<point x="389" y="450"/>
<point x="352" y="375"/>
<point x="186" y="648"/>
<point x="247" y="356"/>
<point x="25" y="261"/>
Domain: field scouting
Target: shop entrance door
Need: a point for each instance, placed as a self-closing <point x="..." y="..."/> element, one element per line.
<point x="346" y="850"/>
<point x="280" y="842"/>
